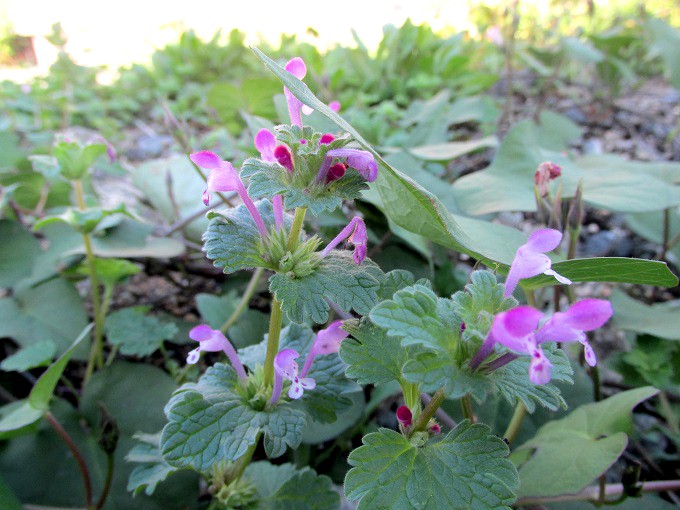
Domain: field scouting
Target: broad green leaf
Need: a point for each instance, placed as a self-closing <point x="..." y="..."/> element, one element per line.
<point x="651" y="360"/>
<point x="337" y="278"/>
<point x="609" y="269"/>
<point x="373" y="357"/>
<point x="417" y="316"/>
<point x="433" y="370"/>
<point x="660" y="320"/>
<point x="16" y="416"/>
<point x="451" y="150"/>
<point x="52" y="310"/>
<point x="18" y="252"/>
<point x="8" y="500"/>
<point x="136" y="333"/>
<point x="285" y="488"/>
<point x="83" y="221"/>
<point x="233" y="241"/>
<point x="209" y="422"/>
<point x="36" y="355"/>
<point x="666" y="39"/>
<point x="467" y="469"/>
<point x="110" y="271"/>
<point x="152" y="469"/>
<point x="566" y="455"/>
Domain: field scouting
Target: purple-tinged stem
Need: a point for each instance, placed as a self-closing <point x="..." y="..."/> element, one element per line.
<point x="483" y="352"/>
<point x="501" y="361"/>
<point x="276" y="389"/>
<point x="250" y="205"/>
<point x="344" y="234"/>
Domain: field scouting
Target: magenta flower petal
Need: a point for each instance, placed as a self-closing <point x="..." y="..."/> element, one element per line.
<point x="540" y="367"/>
<point x="206" y="159"/>
<point x="404" y="416"/>
<point x="213" y="340"/>
<point x="265" y="142"/>
<point x="515" y="328"/>
<point x="530" y="259"/>
<point x="297" y="68"/>
<point x="283" y="157"/>
<point x="589" y="314"/>
<point x="544" y="240"/>
<point x="328" y="340"/>
<point x="285" y="365"/>
<point x="335" y="106"/>
<point x="362" y="161"/>
<point x="354" y="232"/>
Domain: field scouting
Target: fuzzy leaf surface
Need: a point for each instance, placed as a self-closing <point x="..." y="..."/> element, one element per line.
<point x="468" y="469"/>
<point x="136" y="333"/>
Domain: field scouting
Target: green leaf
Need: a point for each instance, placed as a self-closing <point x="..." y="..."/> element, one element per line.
<point x="372" y="356"/>
<point x="609" y="269"/>
<point x="136" y="333"/>
<point x="666" y="39"/>
<point x="566" y="455"/>
<point x="417" y="316"/>
<point x="74" y="160"/>
<point x="481" y="299"/>
<point x="233" y="241"/>
<point x="36" y="355"/>
<point x="152" y="469"/>
<point x="8" y="500"/>
<point x="210" y="422"/>
<point x="660" y="320"/>
<point x="110" y="271"/>
<point x="285" y="488"/>
<point x="513" y="384"/>
<point x="447" y="151"/>
<point x="18" y="256"/>
<point x="337" y="278"/>
<point x="433" y="370"/>
<point x="38" y="401"/>
<point x="83" y="221"/>
<point x="468" y="469"/>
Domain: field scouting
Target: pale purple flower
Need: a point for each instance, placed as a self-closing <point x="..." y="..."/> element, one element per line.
<point x="285" y="367"/>
<point x="569" y="326"/>
<point x="277" y="203"/>
<point x="362" y="161"/>
<point x="297" y="68"/>
<point x="531" y="260"/>
<point x="265" y="143"/>
<point x="355" y="233"/>
<point x="327" y="341"/>
<point x="223" y="177"/>
<point x="335" y="106"/>
<point x="213" y="340"/>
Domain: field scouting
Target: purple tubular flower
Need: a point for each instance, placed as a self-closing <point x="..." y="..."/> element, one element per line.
<point x="297" y="68"/>
<point x="223" y="177"/>
<point x="277" y="203"/>
<point x="569" y="326"/>
<point x="283" y="157"/>
<point x="355" y="233"/>
<point x="265" y="143"/>
<point x="327" y="341"/>
<point x="362" y="161"/>
<point x="213" y="340"/>
<point x="531" y="260"/>
<point x="285" y="367"/>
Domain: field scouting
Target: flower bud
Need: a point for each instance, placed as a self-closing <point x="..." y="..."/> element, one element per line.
<point x="546" y="172"/>
<point x="283" y="157"/>
<point x="404" y="416"/>
<point x="326" y="139"/>
<point x="335" y="172"/>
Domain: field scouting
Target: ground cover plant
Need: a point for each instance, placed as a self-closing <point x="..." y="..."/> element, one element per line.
<point x="418" y="286"/>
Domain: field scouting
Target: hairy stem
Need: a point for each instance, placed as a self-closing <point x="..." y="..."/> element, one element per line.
<point x="434" y="404"/>
<point x="242" y="463"/>
<point x="76" y="455"/>
<point x="466" y="407"/>
<point x="245" y="300"/>
<point x="273" y="341"/>
<point x="592" y="493"/>
<point x="515" y="423"/>
<point x="95" y="357"/>
<point x="295" y="230"/>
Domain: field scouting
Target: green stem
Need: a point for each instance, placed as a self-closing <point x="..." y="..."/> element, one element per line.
<point x="666" y="232"/>
<point x="245" y="300"/>
<point x="411" y="397"/>
<point x="273" y="341"/>
<point x="427" y="414"/>
<point x="96" y="357"/>
<point x="242" y="463"/>
<point x="466" y="407"/>
<point x="515" y="422"/>
<point x="295" y="230"/>
<point x="107" y="482"/>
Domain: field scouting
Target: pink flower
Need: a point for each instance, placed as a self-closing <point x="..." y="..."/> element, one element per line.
<point x="327" y="341"/>
<point x="516" y="330"/>
<point x="213" y="340"/>
<point x="546" y="172"/>
<point x="283" y="157"/>
<point x="404" y="416"/>
<point x="531" y="260"/>
<point x="362" y="161"/>
<point x="285" y="367"/>
<point x="222" y="178"/>
<point x="297" y="68"/>
<point x="335" y="172"/>
<point x="265" y="143"/>
<point x="335" y="106"/>
<point x="355" y="233"/>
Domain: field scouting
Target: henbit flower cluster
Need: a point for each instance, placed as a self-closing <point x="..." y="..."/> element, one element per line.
<point x="327" y="341"/>
<point x="516" y="329"/>
<point x="223" y="177"/>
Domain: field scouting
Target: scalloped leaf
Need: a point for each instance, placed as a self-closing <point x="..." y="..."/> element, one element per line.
<point x="468" y="469"/>
<point x="338" y="279"/>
